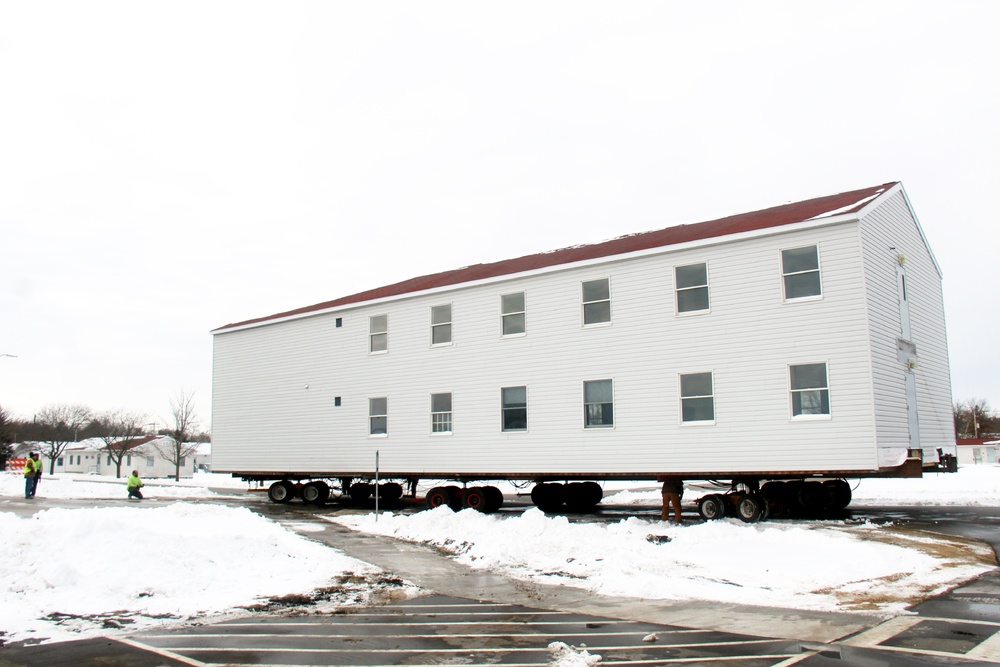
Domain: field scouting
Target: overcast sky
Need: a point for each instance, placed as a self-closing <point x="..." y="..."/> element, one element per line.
<point x="167" y="168"/>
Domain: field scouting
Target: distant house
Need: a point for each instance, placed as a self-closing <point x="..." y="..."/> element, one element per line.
<point x="976" y="451"/>
<point x="90" y="458"/>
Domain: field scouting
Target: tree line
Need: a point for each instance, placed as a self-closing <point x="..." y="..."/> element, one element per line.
<point x="59" y="425"/>
<point x="974" y="418"/>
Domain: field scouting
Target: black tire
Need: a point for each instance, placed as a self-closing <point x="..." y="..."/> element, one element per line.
<point x="281" y="492"/>
<point x="390" y="492"/>
<point x="361" y="491"/>
<point x="838" y="494"/>
<point x="476" y="499"/>
<point x="548" y="496"/>
<point x="711" y="507"/>
<point x="812" y="498"/>
<point x="594" y="492"/>
<point x="577" y="497"/>
<point x="494" y="498"/>
<point x="438" y="496"/>
<point x="750" y="508"/>
<point x="456" y="496"/>
<point x="315" y="493"/>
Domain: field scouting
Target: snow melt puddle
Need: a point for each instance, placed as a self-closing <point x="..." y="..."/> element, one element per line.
<point x="799" y="565"/>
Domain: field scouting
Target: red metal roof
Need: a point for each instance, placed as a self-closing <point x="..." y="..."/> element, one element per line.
<point x="786" y="214"/>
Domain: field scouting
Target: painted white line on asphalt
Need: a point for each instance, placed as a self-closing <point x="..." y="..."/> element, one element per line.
<point x="161" y="652"/>
<point x="883" y="631"/>
<point x="988" y="651"/>
<point x="603" y="663"/>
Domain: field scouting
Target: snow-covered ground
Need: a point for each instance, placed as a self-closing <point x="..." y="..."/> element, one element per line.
<point x="78" y="572"/>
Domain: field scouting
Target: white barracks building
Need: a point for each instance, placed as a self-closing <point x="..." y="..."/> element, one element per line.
<point x="802" y="340"/>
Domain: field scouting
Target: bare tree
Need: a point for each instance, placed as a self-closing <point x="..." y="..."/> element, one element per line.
<point x="6" y="438"/>
<point x="61" y="424"/>
<point x="122" y="429"/>
<point x="974" y="418"/>
<point x="184" y="419"/>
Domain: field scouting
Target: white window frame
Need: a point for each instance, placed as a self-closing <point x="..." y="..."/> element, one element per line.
<point x="442" y="417"/>
<point x="682" y="398"/>
<point x="372" y="333"/>
<point x="383" y="414"/>
<point x="586" y="417"/>
<point x="505" y="314"/>
<point x="678" y="290"/>
<point x="791" y="391"/>
<point x="818" y="271"/>
<point x="440" y="325"/>
<point x="504" y="408"/>
<point x="584" y="303"/>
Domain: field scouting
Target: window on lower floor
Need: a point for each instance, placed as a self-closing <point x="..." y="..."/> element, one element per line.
<point x="810" y="390"/>
<point x="800" y="273"/>
<point x="697" y="398"/>
<point x="441" y="324"/>
<point x="150" y="461"/>
<point x="598" y="404"/>
<point x="597" y="302"/>
<point x="514" y="408"/>
<point x="440" y="413"/>
<point x="378" y="416"/>
<point x="691" y="284"/>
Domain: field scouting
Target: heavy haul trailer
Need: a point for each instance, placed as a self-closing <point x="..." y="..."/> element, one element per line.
<point x="769" y="350"/>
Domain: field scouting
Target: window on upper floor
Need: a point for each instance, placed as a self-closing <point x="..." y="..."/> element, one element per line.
<point x="598" y="404"/>
<point x="441" y="324"/>
<point x="697" y="398"/>
<point x="800" y="273"/>
<point x="441" y="413"/>
<point x="378" y="416"/>
<point x="691" y="284"/>
<point x="810" y="390"/>
<point x="597" y="301"/>
<point x="378" y="333"/>
<point x="514" y="408"/>
<point x="512" y="322"/>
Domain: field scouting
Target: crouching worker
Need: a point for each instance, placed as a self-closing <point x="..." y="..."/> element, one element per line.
<point x="134" y="484"/>
<point x="673" y="491"/>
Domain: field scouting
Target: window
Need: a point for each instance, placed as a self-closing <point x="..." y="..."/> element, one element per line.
<point x="129" y="461"/>
<point x="697" y="398"/>
<point x="378" y="333"/>
<point x="514" y="407"/>
<point x="183" y="462"/>
<point x="810" y="392"/>
<point x="512" y="314"/>
<point x="596" y="301"/>
<point x="598" y="404"/>
<point x="59" y="462"/>
<point x="800" y="272"/>
<point x="109" y="459"/>
<point x="441" y="325"/>
<point x="691" y="283"/>
<point x="378" y="416"/>
<point x="150" y="462"/>
<point x="440" y="413"/>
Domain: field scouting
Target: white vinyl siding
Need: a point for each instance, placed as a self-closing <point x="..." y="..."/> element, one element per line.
<point x="260" y="372"/>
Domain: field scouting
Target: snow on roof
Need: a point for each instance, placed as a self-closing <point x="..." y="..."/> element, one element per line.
<point x="777" y="216"/>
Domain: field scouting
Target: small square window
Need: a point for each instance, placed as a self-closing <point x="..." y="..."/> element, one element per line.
<point x="339" y="322"/>
<point x="800" y="273"/>
<point x="810" y="390"/>
<point x="336" y="401"/>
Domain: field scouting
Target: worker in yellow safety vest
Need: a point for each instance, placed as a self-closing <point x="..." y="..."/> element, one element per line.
<point x="32" y="473"/>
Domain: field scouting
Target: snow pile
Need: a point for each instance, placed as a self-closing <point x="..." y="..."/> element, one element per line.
<point x="71" y="572"/>
<point x="807" y="565"/>
<point x="564" y="655"/>
<point x="62" y="486"/>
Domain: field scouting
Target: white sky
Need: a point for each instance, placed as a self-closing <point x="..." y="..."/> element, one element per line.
<point x="212" y="559"/>
<point x="168" y="168"/>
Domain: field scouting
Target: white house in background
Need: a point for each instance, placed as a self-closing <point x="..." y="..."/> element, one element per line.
<point x="88" y="457"/>
<point x="978" y="451"/>
<point x="803" y="340"/>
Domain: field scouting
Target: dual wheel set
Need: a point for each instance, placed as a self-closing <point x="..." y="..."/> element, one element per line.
<point x="547" y="496"/>
<point x="486" y="499"/>
<point x="318" y="492"/>
<point x="777" y="500"/>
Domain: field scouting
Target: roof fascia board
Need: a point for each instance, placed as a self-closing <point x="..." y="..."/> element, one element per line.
<point x="609" y="259"/>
